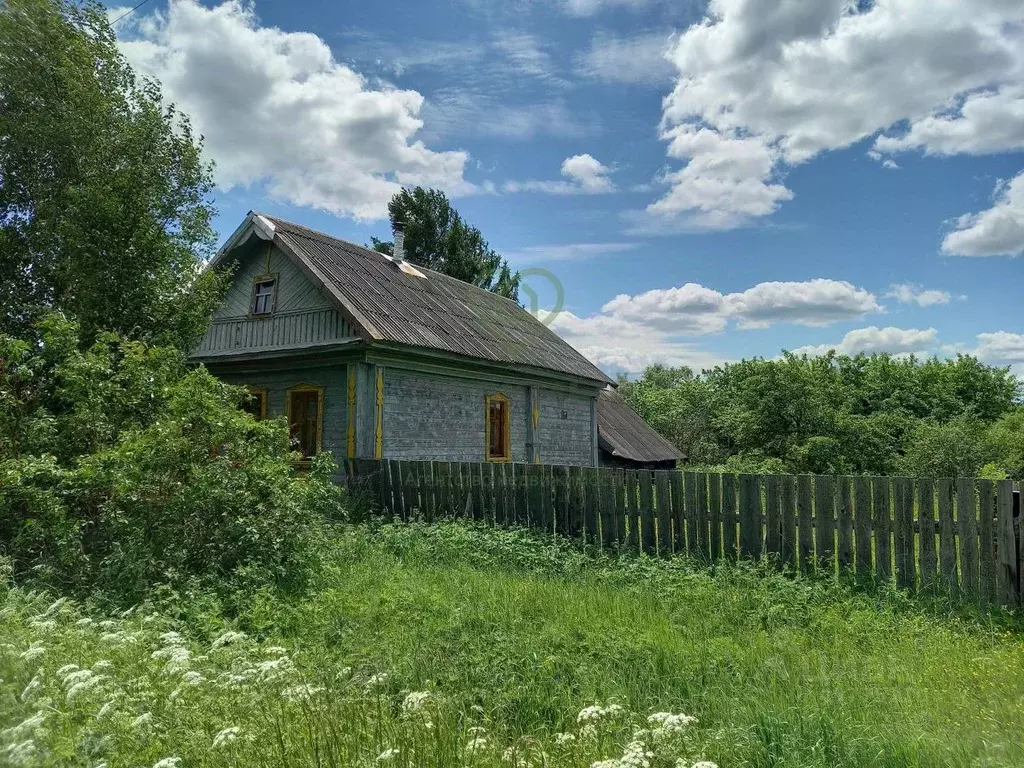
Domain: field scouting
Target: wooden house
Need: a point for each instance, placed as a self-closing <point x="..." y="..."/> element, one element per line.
<point x="369" y="356"/>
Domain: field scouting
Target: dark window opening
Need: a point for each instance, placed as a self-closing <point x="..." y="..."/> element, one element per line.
<point x="499" y="445"/>
<point x="304" y="419"/>
<point x="255" y="404"/>
<point x="263" y="297"/>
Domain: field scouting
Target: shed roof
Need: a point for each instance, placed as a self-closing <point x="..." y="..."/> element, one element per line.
<point x="624" y="434"/>
<point x="427" y="310"/>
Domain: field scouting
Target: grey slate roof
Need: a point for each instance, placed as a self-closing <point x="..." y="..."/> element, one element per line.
<point x="436" y="312"/>
<point x="624" y="434"/>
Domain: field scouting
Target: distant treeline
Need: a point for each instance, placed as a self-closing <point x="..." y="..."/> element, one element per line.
<point x="875" y="414"/>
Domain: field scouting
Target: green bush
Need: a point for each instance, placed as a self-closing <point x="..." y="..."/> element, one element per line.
<point x="123" y="468"/>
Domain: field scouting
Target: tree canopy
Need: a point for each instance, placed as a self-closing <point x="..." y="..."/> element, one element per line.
<point x="104" y="198"/>
<point x="837" y="414"/>
<point x="438" y="238"/>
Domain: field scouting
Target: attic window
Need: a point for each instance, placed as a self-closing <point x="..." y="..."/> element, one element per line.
<point x="263" y="295"/>
<point x="499" y="434"/>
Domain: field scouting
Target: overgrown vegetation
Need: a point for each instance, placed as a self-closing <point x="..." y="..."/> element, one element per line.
<point x="504" y="641"/>
<point x="875" y="414"/>
<point x="121" y="469"/>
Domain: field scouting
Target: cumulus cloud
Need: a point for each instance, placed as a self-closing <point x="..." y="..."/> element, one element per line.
<point x="778" y="83"/>
<point x="875" y="340"/>
<point x="277" y="109"/>
<point x="996" y="231"/>
<point x="1001" y="348"/>
<point x="584" y="175"/>
<point x="909" y="293"/>
<point x="810" y="302"/>
<point x="637" y="60"/>
<point x="619" y="345"/>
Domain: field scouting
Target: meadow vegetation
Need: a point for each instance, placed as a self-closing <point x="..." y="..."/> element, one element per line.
<point x="457" y="645"/>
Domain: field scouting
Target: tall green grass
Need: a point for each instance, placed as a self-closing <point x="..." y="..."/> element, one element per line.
<point x="513" y="636"/>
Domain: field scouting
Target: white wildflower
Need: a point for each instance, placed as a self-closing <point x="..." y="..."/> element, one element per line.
<point x="274" y="668"/>
<point x="192" y="678"/>
<point x="588" y="732"/>
<point x="178" y="658"/>
<point x="54" y="607"/>
<point x="301" y="692"/>
<point x="108" y="624"/>
<point x="478" y="744"/>
<point x="378" y="679"/>
<point x="30" y="726"/>
<point x="85" y="622"/>
<point x="226" y="736"/>
<point x="43" y="625"/>
<point x="276" y="650"/>
<point x="102" y="664"/>
<point x="21" y="754"/>
<point x="168" y="762"/>
<point x="668" y="725"/>
<point x="228" y="638"/>
<point x="105" y="709"/>
<point x="66" y="670"/>
<point x="76" y="677"/>
<point x="78" y="689"/>
<point x="34" y="685"/>
<point x="142" y="720"/>
<point x="700" y="764"/>
<point x="34" y="651"/>
<point x="415" y="701"/>
<point x="564" y="738"/>
<point x="387" y="754"/>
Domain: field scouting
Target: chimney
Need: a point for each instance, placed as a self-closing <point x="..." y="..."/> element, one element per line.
<point x="398" y="252"/>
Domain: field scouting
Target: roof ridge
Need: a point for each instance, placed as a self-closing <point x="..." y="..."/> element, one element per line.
<point x="370" y="251"/>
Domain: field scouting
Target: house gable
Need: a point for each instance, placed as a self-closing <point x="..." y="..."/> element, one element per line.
<point x="302" y="315"/>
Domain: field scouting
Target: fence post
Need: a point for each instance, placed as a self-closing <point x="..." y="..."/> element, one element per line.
<point x="947" y="534"/>
<point x="1006" y="568"/>
<point x="967" y="526"/>
<point x="926" y="532"/>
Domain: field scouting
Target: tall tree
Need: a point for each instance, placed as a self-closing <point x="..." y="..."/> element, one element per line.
<point x="104" y="198"/>
<point x="437" y="237"/>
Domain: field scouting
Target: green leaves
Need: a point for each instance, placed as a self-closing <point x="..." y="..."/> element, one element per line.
<point x="437" y="237"/>
<point x="839" y="415"/>
<point x="104" y="196"/>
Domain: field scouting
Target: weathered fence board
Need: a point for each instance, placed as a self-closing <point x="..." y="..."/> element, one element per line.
<point x="926" y="532"/>
<point x="962" y="536"/>
<point x="788" y="551"/>
<point x="730" y="520"/>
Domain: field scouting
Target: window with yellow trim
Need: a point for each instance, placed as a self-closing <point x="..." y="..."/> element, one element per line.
<point x="255" y="404"/>
<point x="499" y="433"/>
<point x="305" y="407"/>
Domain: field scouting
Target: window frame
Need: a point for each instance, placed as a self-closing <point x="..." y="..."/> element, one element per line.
<point x="266" y="278"/>
<point x="506" y="403"/>
<point x="263" y="395"/>
<point x="299" y="388"/>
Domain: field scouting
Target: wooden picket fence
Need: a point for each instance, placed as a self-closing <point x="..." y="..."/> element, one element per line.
<point x="962" y="537"/>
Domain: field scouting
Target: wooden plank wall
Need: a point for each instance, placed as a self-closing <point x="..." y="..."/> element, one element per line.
<point x="959" y="538"/>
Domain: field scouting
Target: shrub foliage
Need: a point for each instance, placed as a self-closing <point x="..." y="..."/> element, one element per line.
<point x="121" y="467"/>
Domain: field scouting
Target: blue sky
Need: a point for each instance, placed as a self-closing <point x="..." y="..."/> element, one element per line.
<point x="708" y="182"/>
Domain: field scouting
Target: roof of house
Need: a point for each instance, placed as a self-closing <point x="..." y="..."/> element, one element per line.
<point x="420" y="307"/>
<point x="624" y="434"/>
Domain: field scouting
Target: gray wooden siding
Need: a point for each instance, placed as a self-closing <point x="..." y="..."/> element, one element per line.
<point x="566" y="429"/>
<point x="333" y="379"/>
<point x="443" y="418"/>
<point x="302" y="314"/>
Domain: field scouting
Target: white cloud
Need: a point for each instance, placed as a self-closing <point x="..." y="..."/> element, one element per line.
<point x="637" y="60"/>
<point x="890" y="164"/>
<point x="633" y="331"/>
<point x="996" y="231"/>
<point x="526" y="55"/>
<point x="459" y="111"/>
<point x="585" y="176"/>
<point x="987" y="122"/>
<point x="1001" y="348"/>
<point x="791" y="79"/>
<point x="873" y="340"/>
<point x="277" y="109"/>
<point x="809" y="302"/>
<point x="618" y="345"/>
<point x="909" y="293"/>
<point x="568" y="252"/>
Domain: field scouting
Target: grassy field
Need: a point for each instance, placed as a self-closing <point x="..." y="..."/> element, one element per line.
<point x="453" y="645"/>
